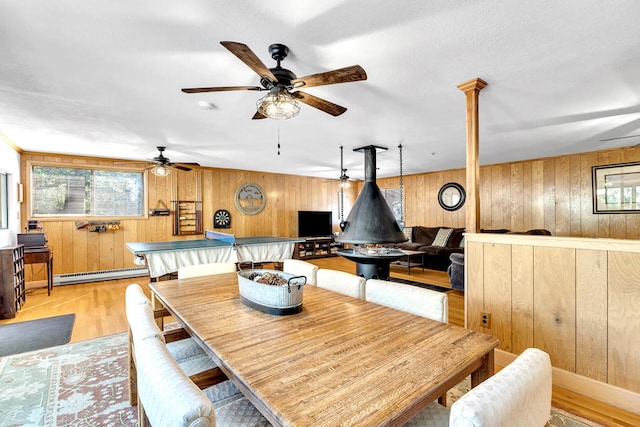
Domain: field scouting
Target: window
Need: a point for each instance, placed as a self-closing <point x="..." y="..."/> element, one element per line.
<point x="86" y="192"/>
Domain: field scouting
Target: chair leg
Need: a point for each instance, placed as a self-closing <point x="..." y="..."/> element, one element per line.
<point x="143" y="421"/>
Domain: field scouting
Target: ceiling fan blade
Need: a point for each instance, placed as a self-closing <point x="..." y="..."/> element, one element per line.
<point x="353" y="73"/>
<point x="258" y="115"/>
<point x="319" y="103"/>
<point x="220" y="89"/>
<point x="131" y="162"/>
<point x="246" y="55"/>
<point x="182" y="168"/>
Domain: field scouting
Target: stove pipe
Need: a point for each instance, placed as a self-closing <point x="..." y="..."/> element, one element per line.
<point x="370" y="220"/>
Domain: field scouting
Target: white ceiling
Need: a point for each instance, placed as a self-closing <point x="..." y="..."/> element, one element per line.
<point x="103" y="78"/>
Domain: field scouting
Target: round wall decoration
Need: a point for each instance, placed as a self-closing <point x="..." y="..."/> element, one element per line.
<point x="250" y="199"/>
<point x="222" y="219"/>
<point x="451" y="196"/>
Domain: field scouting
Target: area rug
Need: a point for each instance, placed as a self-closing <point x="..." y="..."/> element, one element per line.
<point x="79" y="384"/>
<point x="85" y="384"/>
<point x="35" y="334"/>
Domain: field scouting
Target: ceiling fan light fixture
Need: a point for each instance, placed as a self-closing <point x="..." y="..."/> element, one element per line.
<point x="278" y="105"/>
<point x="161" y="170"/>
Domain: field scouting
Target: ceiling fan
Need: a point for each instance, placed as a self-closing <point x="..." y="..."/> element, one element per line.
<point x="161" y="164"/>
<point x="344" y="178"/>
<point x="282" y="84"/>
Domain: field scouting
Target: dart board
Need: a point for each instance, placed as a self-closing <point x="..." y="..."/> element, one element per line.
<point x="222" y="219"/>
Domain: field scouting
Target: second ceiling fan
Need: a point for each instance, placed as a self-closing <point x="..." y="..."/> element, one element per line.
<point x="282" y="84"/>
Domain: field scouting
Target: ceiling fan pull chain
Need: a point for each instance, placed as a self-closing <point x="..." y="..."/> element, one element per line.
<point x="278" y="138"/>
<point x="341" y="189"/>
<point x="401" y="189"/>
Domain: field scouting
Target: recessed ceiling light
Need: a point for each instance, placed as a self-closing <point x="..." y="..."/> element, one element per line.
<point x="206" y="105"/>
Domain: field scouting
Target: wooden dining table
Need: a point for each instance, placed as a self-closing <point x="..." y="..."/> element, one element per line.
<point x="341" y="361"/>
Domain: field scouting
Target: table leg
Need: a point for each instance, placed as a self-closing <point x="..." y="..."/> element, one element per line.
<point x="485" y="371"/>
<point x="155" y="304"/>
<point x="49" y="275"/>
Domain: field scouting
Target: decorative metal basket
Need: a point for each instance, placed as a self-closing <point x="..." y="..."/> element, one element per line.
<point x="272" y="299"/>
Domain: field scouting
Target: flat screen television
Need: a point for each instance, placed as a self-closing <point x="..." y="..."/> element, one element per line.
<point x="315" y="223"/>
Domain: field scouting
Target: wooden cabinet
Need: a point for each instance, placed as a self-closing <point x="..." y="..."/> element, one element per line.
<point x="316" y="247"/>
<point x="12" y="291"/>
<point x="187" y="217"/>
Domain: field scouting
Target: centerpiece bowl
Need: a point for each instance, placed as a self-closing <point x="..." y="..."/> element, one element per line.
<point x="271" y="291"/>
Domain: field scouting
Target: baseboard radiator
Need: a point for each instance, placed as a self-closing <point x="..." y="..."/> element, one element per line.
<point x="99" y="276"/>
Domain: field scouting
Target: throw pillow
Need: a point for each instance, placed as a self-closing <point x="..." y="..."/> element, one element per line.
<point x="461" y="245"/>
<point x="408" y="232"/>
<point x="442" y="237"/>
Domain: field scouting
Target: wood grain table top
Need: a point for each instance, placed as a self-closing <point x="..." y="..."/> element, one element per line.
<point x="341" y="361"/>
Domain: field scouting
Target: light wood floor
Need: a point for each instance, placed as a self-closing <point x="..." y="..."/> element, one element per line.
<point x="99" y="309"/>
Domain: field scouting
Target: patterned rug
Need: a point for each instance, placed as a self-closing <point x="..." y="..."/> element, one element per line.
<point x="85" y="384"/>
<point x="79" y="384"/>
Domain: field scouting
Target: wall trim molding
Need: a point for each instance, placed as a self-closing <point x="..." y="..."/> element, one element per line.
<point x="590" y="243"/>
<point x="603" y="392"/>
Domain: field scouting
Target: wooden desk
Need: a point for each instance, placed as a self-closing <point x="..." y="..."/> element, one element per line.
<point x="41" y="256"/>
<point x="340" y="362"/>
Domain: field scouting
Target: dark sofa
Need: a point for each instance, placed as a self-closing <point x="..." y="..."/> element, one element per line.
<point x="436" y="257"/>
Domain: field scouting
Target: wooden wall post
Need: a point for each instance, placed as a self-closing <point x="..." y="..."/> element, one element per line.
<point x="472" y="90"/>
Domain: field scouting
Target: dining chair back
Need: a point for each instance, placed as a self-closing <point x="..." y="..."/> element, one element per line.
<point x="185" y="351"/>
<point x="412" y="299"/>
<point x="519" y="394"/>
<point x="140" y="316"/>
<point x="341" y="282"/>
<point x="298" y="267"/>
<point x="199" y="270"/>
<point x="167" y="397"/>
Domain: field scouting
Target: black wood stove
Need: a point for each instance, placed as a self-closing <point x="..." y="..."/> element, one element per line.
<point x="370" y="264"/>
<point x="370" y="224"/>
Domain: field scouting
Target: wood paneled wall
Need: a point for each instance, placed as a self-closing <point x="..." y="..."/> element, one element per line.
<point x="575" y="298"/>
<point x="552" y="193"/>
<point x="421" y="198"/>
<point x="78" y="250"/>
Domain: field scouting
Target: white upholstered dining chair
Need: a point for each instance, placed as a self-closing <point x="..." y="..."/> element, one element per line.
<point x="167" y="397"/>
<point x="341" y="282"/>
<point x="198" y="270"/>
<point x="184" y="350"/>
<point x="518" y="395"/>
<point x="298" y="267"/>
<point x="412" y="299"/>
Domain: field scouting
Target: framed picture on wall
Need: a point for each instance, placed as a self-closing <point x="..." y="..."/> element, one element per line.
<point x="616" y="188"/>
<point x="393" y="199"/>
